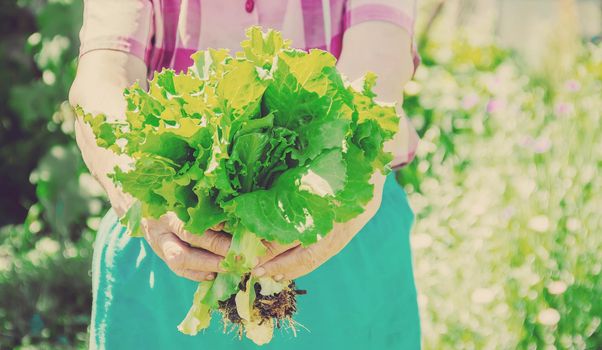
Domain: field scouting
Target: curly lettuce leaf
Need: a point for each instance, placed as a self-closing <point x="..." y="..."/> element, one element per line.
<point x="357" y="191"/>
<point x="298" y="206"/>
<point x="224" y="286"/>
<point x="261" y="48"/>
<point x="199" y="315"/>
<point x="240" y="90"/>
<point x="244" y="252"/>
<point x="293" y="99"/>
<point x="244" y="300"/>
<point x="132" y="219"/>
<point x="246" y="155"/>
<point x="146" y="176"/>
<point x="204" y="215"/>
<point x="210" y="63"/>
<point x="106" y="133"/>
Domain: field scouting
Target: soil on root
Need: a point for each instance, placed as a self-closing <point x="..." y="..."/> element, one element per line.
<point x="280" y="306"/>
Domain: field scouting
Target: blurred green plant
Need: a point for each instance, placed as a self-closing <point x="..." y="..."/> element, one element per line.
<point x="37" y="50"/>
<point x="505" y="189"/>
<point x="51" y="206"/>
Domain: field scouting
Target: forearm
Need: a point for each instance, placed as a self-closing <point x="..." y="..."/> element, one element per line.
<point x="101" y="77"/>
<point x="98" y="88"/>
<point x="386" y="50"/>
<point x="382" y="48"/>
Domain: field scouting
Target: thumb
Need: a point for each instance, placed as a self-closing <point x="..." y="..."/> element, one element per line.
<point x="291" y="264"/>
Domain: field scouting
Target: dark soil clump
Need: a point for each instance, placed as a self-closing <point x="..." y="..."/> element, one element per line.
<point x="280" y="306"/>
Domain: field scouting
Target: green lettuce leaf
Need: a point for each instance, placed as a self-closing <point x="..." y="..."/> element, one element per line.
<point x="246" y="155"/>
<point x="224" y="286"/>
<point x="204" y="215"/>
<point x="132" y="219"/>
<point x="199" y="315"/>
<point x="261" y="48"/>
<point x="244" y="252"/>
<point x="298" y="206"/>
<point x="244" y="300"/>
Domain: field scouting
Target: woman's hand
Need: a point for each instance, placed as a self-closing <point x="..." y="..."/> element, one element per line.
<point x="196" y="257"/>
<point x="300" y="260"/>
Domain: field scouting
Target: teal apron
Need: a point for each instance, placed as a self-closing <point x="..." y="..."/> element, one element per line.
<point x="362" y="298"/>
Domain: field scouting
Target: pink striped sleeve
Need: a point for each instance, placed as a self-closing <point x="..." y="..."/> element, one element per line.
<point x="122" y="25"/>
<point x="380" y="12"/>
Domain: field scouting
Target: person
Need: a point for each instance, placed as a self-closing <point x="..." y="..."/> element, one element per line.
<point x="361" y="292"/>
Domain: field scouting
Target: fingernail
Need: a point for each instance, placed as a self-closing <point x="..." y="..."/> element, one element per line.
<point x="210" y="277"/>
<point x="260" y="271"/>
<point x="278" y="277"/>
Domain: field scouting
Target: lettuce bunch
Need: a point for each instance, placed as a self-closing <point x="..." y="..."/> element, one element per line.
<point x="273" y="142"/>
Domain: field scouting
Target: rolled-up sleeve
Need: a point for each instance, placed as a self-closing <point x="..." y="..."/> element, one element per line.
<point x="122" y="25"/>
<point x="399" y="12"/>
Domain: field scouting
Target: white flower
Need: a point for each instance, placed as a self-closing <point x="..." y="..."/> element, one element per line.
<point x="48" y="246"/>
<point x="539" y="223"/>
<point x="573" y="224"/>
<point x="556" y="287"/>
<point x="482" y="296"/>
<point x="548" y="317"/>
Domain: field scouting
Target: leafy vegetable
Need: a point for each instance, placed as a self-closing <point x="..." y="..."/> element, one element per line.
<point x="274" y="142"/>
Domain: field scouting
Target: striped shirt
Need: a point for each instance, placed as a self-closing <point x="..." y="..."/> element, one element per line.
<point x="164" y="33"/>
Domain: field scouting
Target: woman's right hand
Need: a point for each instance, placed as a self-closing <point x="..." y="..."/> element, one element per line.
<point x="196" y="257"/>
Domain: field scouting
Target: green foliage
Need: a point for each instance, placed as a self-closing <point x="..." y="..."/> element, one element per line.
<point x="37" y="50"/>
<point x="504" y="187"/>
<point x="51" y="205"/>
<point x="44" y="298"/>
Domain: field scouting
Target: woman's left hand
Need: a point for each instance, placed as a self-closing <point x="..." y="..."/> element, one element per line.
<point x="300" y="260"/>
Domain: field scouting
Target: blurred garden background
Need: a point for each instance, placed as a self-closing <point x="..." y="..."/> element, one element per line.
<point x="507" y="243"/>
